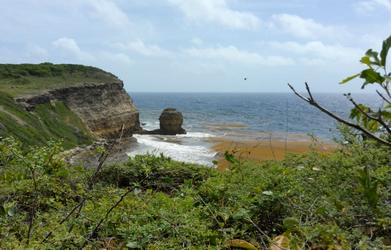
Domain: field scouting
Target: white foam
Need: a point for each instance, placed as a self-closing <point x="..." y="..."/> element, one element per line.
<point x="150" y="144"/>
<point x="196" y="135"/>
<point x="150" y="125"/>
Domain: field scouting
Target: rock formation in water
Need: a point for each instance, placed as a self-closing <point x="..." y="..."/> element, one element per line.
<point x="105" y="108"/>
<point x="171" y="122"/>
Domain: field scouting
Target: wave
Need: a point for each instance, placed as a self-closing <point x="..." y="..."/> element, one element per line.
<point x="150" y="144"/>
<point x="196" y="135"/>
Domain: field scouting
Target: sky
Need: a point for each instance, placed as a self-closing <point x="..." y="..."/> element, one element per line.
<point x="200" y="45"/>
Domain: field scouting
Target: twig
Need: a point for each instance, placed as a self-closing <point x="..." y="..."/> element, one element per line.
<point x="313" y="102"/>
<point x="379" y="120"/>
<point x="96" y="228"/>
<point x="63" y="220"/>
<point x="90" y="185"/>
<point x="271" y="146"/>
<point x="383" y="97"/>
<point x="264" y="234"/>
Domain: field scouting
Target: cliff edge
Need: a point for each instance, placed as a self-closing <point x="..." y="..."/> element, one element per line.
<point x="94" y="101"/>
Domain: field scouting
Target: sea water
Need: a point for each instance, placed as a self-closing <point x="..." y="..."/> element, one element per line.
<point x="249" y="116"/>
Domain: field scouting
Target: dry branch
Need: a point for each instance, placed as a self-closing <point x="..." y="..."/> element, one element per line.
<point x="311" y="100"/>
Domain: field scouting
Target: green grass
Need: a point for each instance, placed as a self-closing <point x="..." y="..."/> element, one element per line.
<point x="48" y="121"/>
<point x="27" y="79"/>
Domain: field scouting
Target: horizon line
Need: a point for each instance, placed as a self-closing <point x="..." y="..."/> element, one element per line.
<point x="239" y="92"/>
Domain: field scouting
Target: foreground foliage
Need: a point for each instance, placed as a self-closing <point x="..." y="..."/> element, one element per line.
<point x="312" y="201"/>
<point x="370" y="122"/>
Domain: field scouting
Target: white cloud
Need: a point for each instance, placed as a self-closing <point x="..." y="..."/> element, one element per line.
<point x="109" y="12"/>
<point x="70" y="46"/>
<point x="216" y="11"/>
<point x="197" y="41"/>
<point x="115" y="58"/>
<point x="140" y="47"/>
<point x="233" y="54"/>
<point x="371" y="5"/>
<point x="304" y="27"/>
<point x="317" y="51"/>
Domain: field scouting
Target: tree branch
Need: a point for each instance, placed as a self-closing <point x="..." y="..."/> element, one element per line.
<point x="313" y="102"/>
<point x="383" y="97"/>
<point x="96" y="228"/>
<point x="378" y="119"/>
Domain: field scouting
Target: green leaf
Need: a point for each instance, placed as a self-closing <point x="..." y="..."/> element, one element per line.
<point x="371" y="76"/>
<point x="374" y="55"/>
<point x="132" y="245"/>
<point x="383" y="54"/>
<point x="291" y="223"/>
<point x="11" y="212"/>
<point x="2" y="211"/>
<point x="386" y="115"/>
<point x="366" y="60"/>
<point x="348" y="79"/>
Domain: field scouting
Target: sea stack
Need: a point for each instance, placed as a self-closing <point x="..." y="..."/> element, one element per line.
<point x="171" y="122"/>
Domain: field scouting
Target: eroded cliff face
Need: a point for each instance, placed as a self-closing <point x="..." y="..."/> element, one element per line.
<point x="105" y="108"/>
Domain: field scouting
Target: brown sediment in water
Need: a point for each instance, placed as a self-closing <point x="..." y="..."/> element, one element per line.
<point x="263" y="150"/>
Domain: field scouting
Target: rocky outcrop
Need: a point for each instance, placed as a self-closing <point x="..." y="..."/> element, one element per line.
<point x="105" y="108"/>
<point x="171" y="122"/>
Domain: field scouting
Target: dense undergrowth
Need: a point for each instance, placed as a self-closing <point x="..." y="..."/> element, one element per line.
<point x="311" y="201"/>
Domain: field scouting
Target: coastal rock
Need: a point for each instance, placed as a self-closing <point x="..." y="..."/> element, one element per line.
<point x="171" y="122"/>
<point x="105" y="108"/>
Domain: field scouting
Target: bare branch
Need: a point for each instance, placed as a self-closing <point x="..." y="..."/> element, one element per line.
<point x="383" y="97"/>
<point x="96" y="228"/>
<point x="313" y="102"/>
<point x="90" y="184"/>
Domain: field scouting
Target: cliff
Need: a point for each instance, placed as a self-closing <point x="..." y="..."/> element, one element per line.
<point x="104" y="108"/>
<point x="86" y="104"/>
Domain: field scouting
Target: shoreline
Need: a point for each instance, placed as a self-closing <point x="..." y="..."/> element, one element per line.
<point x="264" y="150"/>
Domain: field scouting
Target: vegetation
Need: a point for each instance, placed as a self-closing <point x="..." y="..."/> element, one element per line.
<point x="51" y="120"/>
<point x="310" y="201"/>
<point x="48" y="121"/>
<point x="374" y="124"/>
<point x="21" y="79"/>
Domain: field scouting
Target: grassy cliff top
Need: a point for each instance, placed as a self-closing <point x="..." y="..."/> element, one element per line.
<point x="26" y="79"/>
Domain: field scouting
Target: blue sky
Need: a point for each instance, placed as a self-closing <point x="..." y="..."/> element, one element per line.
<point x="200" y="45"/>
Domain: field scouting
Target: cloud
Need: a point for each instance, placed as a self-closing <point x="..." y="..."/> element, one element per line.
<point x="109" y="12"/>
<point x="38" y="52"/>
<point x="371" y="5"/>
<point x="197" y="41"/>
<point x="304" y="27"/>
<point x="115" y="58"/>
<point x="70" y="47"/>
<point x="317" y="51"/>
<point x="216" y="11"/>
<point x="233" y="54"/>
<point x="140" y="47"/>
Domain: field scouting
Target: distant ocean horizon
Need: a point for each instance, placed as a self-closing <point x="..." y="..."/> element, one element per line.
<point x="239" y="116"/>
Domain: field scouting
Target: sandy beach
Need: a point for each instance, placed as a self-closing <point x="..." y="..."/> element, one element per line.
<point x="261" y="150"/>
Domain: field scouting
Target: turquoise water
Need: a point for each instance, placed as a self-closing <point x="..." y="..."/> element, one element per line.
<point x="257" y="116"/>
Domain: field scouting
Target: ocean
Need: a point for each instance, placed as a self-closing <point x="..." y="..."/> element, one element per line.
<point x="238" y="116"/>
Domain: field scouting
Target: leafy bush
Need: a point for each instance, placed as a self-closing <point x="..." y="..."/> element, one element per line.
<point x="157" y="173"/>
<point x="309" y="201"/>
